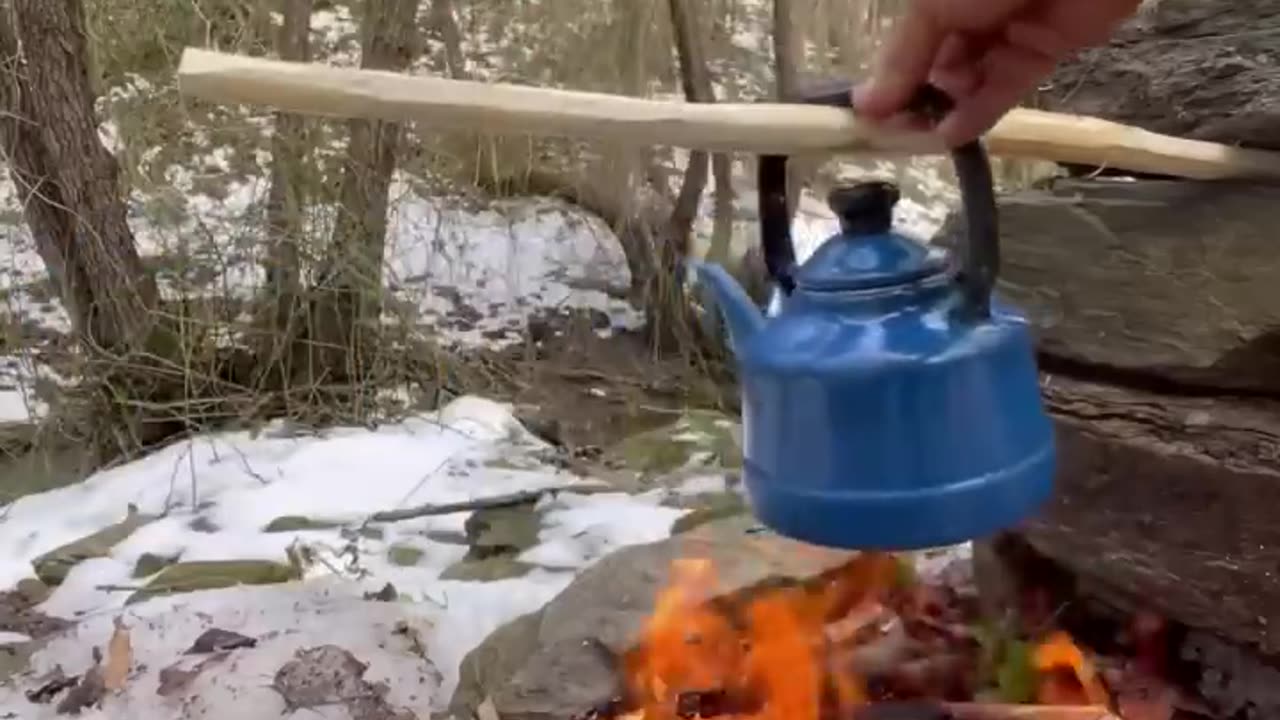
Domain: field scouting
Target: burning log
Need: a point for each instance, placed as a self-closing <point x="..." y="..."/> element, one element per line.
<point x="710" y="705"/>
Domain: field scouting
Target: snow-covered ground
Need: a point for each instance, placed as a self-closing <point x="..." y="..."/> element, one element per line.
<point x="214" y="496"/>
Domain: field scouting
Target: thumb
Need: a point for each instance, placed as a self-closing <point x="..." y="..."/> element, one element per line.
<point x="903" y="65"/>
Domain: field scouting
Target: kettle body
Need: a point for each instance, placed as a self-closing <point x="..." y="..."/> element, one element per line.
<point x="892" y="425"/>
<point x="893" y="400"/>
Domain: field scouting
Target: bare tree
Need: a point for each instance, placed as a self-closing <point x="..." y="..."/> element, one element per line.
<point x="444" y="21"/>
<point x="695" y="77"/>
<point x="788" y="58"/>
<point x="349" y="293"/>
<point x="74" y="204"/>
<point x="286" y="200"/>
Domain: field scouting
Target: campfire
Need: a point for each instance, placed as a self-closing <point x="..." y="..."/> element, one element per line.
<point x="868" y="641"/>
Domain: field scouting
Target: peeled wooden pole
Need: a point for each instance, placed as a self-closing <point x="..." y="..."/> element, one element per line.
<point x="759" y="128"/>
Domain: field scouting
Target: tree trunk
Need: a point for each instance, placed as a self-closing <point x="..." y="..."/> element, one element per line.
<point x="285" y="202"/>
<point x="788" y="59"/>
<point x="445" y="22"/>
<point x="75" y="207"/>
<point x="73" y="198"/>
<point x="667" y="307"/>
<point x="722" y="226"/>
<point x="350" y="293"/>
<point x="695" y="78"/>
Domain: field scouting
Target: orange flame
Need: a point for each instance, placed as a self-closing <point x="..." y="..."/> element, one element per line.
<point x="768" y="655"/>
<point x="773" y="653"/>
<point x="1058" y="652"/>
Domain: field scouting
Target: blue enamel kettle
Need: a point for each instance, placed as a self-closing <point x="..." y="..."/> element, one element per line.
<point x="892" y="402"/>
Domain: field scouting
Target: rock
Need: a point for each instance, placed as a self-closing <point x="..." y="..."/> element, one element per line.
<point x="297" y="523"/>
<point x="211" y="574"/>
<point x="497" y="567"/>
<point x="202" y="524"/>
<point x="1206" y="69"/>
<point x="712" y="508"/>
<point x="149" y="564"/>
<point x="32" y="591"/>
<point x="502" y="530"/>
<point x="1174" y="279"/>
<point x="404" y="555"/>
<point x="699" y="437"/>
<point x="53" y="566"/>
<point x="18" y="614"/>
<point x="558" y="661"/>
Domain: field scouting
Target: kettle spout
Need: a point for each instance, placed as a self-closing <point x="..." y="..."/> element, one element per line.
<point x="739" y="311"/>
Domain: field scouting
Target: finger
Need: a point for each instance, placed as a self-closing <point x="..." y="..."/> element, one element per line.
<point x="903" y="66"/>
<point x="1009" y="74"/>
<point x="958" y="80"/>
<point x="956" y="49"/>
<point x="1039" y="37"/>
<point x="906" y="122"/>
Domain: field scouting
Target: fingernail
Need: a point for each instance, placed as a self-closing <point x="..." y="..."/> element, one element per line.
<point x="860" y="92"/>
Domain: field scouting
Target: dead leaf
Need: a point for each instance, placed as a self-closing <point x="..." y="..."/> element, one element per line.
<point x="86" y="694"/>
<point x="115" y="671"/>
<point x="50" y="685"/>
<point x="217" y="640"/>
<point x="176" y="679"/>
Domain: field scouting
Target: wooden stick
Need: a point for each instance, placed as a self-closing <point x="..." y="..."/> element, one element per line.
<point x="760" y="128"/>
<point x="927" y="710"/>
<point x="985" y="711"/>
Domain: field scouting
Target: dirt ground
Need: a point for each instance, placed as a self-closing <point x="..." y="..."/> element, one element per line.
<point x="583" y="390"/>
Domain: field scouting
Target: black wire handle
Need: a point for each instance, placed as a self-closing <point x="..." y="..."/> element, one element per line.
<point x="980" y="252"/>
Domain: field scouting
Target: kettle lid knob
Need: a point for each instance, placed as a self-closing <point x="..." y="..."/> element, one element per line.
<point x="864" y="208"/>
<point x="867" y="253"/>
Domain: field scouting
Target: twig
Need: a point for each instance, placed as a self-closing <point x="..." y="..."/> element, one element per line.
<point x="117" y="588"/>
<point x="486" y="503"/>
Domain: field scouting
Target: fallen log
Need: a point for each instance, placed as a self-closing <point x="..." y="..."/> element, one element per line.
<point x="1156" y="306"/>
<point x="759" y="128"/>
<point x="1206" y="69"/>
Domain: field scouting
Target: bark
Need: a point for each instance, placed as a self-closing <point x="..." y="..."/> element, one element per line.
<point x="1207" y="69"/>
<point x="72" y="196"/>
<point x="74" y="205"/>
<point x="287" y="197"/>
<point x="1171" y="499"/>
<point x="350" y="302"/>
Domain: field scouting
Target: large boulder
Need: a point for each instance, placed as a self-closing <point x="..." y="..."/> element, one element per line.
<point x="1170" y="280"/>
<point x="1205" y="69"/>
<point x="559" y="660"/>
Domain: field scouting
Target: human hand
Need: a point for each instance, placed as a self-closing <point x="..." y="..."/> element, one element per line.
<point x="986" y="54"/>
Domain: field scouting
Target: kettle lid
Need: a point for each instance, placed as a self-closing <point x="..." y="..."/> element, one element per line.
<point x="867" y="253"/>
